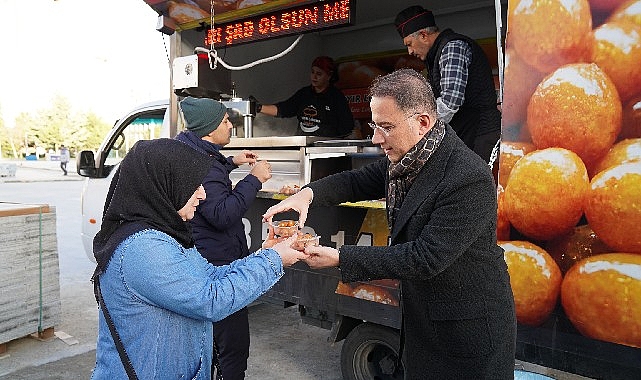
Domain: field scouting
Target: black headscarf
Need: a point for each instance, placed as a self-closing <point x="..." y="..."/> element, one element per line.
<point x="154" y="181"/>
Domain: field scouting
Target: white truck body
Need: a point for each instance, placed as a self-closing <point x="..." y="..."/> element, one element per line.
<point x="155" y="117"/>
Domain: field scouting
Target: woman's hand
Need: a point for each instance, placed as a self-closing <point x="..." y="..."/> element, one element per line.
<point x="298" y="202"/>
<point x="287" y="254"/>
<point x="272" y="239"/>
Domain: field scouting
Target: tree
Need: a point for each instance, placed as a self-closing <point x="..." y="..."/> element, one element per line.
<point x="50" y="127"/>
<point x="21" y="136"/>
<point x="91" y="132"/>
<point x="52" y="124"/>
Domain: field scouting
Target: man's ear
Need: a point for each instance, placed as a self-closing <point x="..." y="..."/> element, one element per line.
<point x="426" y="122"/>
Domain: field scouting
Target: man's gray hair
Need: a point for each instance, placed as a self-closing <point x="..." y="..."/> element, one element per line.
<point x="428" y="30"/>
<point x="409" y="88"/>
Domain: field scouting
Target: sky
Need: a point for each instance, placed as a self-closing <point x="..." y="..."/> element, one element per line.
<point x="104" y="56"/>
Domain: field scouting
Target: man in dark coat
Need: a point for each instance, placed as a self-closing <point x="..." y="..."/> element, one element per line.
<point x="460" y="75"/>
<point x="458" y="309"/>
<point x="218" y="229"/>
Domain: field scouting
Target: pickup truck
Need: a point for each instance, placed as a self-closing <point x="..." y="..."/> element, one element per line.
<point x="146" y="121"/>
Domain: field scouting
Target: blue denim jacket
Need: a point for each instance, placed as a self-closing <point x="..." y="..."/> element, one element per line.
<point x="163" y="299"/>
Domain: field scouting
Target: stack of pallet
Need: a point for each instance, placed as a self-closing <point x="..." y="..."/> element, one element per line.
<point x="7" y="169"/>
<point x="29" y="272"/>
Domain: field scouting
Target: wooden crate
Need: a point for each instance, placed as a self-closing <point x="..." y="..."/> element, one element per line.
<point x="29" y="271"/>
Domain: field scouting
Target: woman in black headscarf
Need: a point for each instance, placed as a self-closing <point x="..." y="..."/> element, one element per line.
<point x="158" y="296"/>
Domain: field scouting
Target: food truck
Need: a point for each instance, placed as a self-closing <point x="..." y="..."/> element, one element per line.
<point x="568" y="79"/>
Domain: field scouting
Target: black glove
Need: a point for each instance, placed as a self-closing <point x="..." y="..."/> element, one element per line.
<point x="257" y="105"/>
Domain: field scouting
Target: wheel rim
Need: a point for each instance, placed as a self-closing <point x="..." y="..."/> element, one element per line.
<point x="376" y="360"/>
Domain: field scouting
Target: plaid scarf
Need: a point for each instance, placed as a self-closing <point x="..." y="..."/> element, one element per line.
<point x="403" y="173"/>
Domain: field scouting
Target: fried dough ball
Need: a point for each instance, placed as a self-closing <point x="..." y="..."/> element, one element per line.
<point x="582" y="242"/>
<point x="545" y="193"/>
<point x="613" y="206"/>
<point x="623" y="151"/>
<point x="511" y="152"/>
<point x="535" y="280"/>
<point x="502" y="222"/>
<point x="576" y="107"/>
<point x="600" y="296"/>
<point x="305" y="240"/>
<point x="519" y="83"/>
<point x="631" y="125"/>
<point x="630" y="11"/>
<point x="548" y="34"/>
<point x="617" y="51"/>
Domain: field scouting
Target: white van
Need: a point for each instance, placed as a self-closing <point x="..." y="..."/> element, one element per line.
<point x="145" y="122"/>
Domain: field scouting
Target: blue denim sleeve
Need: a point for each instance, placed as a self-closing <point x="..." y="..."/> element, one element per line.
<point x="158" y="271"/>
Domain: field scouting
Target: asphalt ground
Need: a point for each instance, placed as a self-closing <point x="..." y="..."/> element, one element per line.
<point x="281" y="348"/>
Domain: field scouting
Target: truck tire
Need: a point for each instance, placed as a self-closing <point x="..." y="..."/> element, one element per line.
<point x="370" y="352"/>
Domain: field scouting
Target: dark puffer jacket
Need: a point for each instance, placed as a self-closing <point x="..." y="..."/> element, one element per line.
<point x="217" y="225"/>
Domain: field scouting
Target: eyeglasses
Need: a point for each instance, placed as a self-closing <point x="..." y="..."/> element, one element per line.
<point x="386" y="130"/>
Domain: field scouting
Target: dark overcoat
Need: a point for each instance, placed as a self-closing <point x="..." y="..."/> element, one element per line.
<point x="458" y="308"/>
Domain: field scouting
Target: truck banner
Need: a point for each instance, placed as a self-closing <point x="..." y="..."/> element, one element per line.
<point x="188" y="13"/>
<point x="569" y="185"/>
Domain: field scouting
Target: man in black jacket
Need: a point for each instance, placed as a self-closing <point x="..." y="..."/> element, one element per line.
<point x="458" y="309"/>
<point x="460" y="75"/>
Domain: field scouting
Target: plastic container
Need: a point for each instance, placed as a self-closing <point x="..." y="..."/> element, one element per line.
<point x="285" y="228"/>
<point x="305" y="240"/>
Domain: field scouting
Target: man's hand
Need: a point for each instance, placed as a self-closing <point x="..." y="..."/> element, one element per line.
<point x="321" y="257"/>
<point x="245" y="157"/>
<point x="298" y="202"/>
<point x="262" y="170"/>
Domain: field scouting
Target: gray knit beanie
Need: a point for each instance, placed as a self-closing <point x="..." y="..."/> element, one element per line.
<point x="202" y="115"/>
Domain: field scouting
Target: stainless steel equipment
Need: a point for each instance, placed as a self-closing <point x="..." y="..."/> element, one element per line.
<point x="298" y="160"/>
<point x="245" y="109"/>
<point x="237" y="107"/>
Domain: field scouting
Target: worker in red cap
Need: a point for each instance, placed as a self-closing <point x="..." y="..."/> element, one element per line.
<point x="460" y="75"/>
<point x="321" y="108"/>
